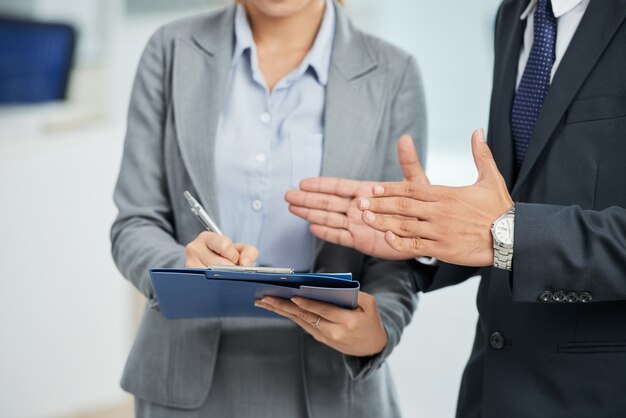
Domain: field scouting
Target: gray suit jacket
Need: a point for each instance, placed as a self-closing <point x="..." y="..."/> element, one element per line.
<point x="373" y="96"/>
<point x="551" y="337"/>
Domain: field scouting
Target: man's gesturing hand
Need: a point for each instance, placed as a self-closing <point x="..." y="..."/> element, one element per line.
<point x="330" y="205"/>
<point x="452" y="224"/>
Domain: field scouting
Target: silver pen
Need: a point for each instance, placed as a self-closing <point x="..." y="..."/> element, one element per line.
<point x="202" y="214"/>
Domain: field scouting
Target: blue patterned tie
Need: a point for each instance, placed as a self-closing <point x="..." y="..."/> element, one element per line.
<point x="535" y="80"/>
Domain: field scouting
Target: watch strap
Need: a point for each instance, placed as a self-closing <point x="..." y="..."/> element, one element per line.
<point x="503" y="258"/>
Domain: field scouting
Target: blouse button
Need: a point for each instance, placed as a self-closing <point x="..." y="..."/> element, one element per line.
<point x="266" y="117"/>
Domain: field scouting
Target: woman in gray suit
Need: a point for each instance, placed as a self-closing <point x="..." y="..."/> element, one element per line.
<point x="238" y="106"/>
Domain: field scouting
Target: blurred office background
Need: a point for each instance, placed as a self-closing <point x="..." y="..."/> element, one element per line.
<point x="67" y="317"/>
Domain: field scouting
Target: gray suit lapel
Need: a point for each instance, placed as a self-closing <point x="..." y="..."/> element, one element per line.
<point x="200" y="76"/>
<point x="596" y="29"/>
<point x="354" y="93"/>
<point x="354" y="103"/>
<point x="355" y="97"/>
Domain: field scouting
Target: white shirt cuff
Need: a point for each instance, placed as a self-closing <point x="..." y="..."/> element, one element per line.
<point x="427" y="261"/>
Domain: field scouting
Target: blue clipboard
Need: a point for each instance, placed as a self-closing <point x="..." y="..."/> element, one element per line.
<point x="203" y="293"/>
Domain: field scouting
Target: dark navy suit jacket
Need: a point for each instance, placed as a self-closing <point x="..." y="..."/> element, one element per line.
<point x="551" y="336"/>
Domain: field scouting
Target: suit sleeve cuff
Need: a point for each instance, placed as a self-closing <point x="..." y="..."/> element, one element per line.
<point x="534" y="273"/>
<point x="362" y="367"/>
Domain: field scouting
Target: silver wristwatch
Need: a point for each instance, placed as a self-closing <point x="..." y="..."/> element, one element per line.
<point x="503" y="230"/>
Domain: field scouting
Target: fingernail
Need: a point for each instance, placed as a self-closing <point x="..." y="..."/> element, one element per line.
<point x="481" y="135"/>
<point x="364" y="204"/>
<point x="378" y="190"/>
<point x="245" y="261"/>
<point x="295" y="300"/>
<point x="266" y="301"/>
<point x="369" y="216"/>
<point x="391" y="236"/>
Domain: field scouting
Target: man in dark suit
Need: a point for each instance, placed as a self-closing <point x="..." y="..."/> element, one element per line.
<point x="544" y="225"/>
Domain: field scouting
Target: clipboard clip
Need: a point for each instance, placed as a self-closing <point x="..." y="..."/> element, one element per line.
<point x="243" y="269"/>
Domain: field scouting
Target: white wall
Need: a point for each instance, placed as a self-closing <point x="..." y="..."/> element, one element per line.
<point x="65" y="312"/>
<point x="452" y="42"/>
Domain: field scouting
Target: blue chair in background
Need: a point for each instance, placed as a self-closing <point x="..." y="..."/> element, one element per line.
<point x="35" y="60"/>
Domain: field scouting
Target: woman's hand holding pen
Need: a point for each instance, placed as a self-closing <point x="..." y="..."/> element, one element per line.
<point x="210" y="248"/>
<point x="355" y="332"/>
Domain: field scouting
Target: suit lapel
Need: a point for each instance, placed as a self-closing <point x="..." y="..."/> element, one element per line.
<point x="509" y="43"/>
<point x="354" y="98"/>
<point x="200" y="76"/>
<point x="355" y="92"/>
<point x="596" y="29"/>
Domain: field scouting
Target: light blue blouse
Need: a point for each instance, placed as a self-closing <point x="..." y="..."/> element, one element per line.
<point x="267" y="142"/>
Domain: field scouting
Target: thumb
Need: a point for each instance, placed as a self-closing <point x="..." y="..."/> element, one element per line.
<point x="483" y="158"/>
<point x="410" y="162"/>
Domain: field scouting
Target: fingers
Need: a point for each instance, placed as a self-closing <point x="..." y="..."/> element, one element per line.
<point x="221" y="245"/>
<point x="423" y="192"/>
<point x="403" y="206"/>
<point x="332" y="185"/>
<point x="332" y="322"/>
<point x="205" y="259"/>
<point x="357" y="332"/>
<point x="321" y="217"/>
<point x="322" y="201"/>
<point x="483" y="158"/>
<point x="367" y="302"/>
<point x="298" y="319"/>
<point x="192" y="262"/>
<point x="416" y="246"/>
<point x="211" y="248"/>
<point x="409" y="161"/>
<point x="247" y="254"/>
<point x="292" y="308"/>
<point x="333" y="235"/>
<point x="329" y="312"/>
<point x="404" y="227"/>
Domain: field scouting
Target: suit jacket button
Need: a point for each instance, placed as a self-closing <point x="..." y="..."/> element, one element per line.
<point x="545" y="296"/>
<point x="496" y="341"/>
<point x="584" y="297"/>
<point x="558" y="296"/>
<point x="572" y="297"/>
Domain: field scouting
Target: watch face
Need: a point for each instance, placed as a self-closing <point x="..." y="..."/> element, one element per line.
<point x="503" y="230"/>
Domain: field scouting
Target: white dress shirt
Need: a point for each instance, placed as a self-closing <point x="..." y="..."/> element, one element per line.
<point x="568" y="14"/>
